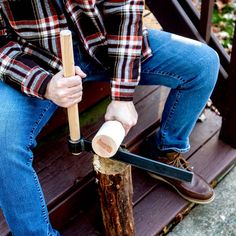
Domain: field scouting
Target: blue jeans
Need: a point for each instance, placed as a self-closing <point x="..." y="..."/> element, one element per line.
<point x="188" y="67"/>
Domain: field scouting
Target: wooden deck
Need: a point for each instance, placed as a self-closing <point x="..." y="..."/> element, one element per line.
<point x="69" y="185"/>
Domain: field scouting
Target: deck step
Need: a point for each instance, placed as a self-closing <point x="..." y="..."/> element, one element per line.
<point x="156" y="206"/>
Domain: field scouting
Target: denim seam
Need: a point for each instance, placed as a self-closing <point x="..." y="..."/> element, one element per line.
<point x="42" y="114"/>
<point x="175" y="76"/>
<point x="171" y="112"/>
<point x="165" y="125"/>
<point x="180" y="150"/>
<point x="43" y="206"/>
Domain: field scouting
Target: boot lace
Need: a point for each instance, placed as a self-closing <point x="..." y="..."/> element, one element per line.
<point x="179" y="162"/>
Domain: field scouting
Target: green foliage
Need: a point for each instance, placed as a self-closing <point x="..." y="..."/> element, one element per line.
<point x="223" y="24"/>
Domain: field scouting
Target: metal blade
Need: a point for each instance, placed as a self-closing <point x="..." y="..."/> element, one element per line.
<point x="153" y="166"/>
<point x="141" y="162"/>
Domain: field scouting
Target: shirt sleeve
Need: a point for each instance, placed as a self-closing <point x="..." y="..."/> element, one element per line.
<point x="123" y="23"/>
<point x="17" y="68"/>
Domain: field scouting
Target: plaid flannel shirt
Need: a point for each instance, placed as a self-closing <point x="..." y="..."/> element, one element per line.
<point x="110" y="30"/>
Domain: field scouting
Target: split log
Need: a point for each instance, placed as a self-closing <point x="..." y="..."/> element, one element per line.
<point x="116" y="191"/>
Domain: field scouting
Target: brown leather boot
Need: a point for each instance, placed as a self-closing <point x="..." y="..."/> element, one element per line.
<point x="198" y="191"/>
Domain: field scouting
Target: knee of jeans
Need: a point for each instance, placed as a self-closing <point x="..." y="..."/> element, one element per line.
<point x="211" y="57"/>
<point x="206" y="68"/>
<point x="212" y="66"/>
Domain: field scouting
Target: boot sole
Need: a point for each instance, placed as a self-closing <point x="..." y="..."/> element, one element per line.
<point x="181" y="194"/>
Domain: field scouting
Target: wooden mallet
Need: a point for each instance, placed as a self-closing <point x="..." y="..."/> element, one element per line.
<point x="111" y="134"/>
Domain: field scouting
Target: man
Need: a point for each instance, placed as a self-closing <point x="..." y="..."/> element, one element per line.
<point x="109" y="44"/>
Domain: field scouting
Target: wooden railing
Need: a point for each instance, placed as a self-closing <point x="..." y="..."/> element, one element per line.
<point x="181" y="17"/>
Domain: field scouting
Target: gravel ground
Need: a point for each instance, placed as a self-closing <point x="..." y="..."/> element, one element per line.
<point x="215" y="219"/>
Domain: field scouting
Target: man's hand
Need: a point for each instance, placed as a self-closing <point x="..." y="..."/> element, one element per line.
<point x="123" y="112"/>
<point x="65" y="92"/>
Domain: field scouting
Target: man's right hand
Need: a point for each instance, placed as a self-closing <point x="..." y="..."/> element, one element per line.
<point x="124" y="112"/>
<point x="65" y="92"/>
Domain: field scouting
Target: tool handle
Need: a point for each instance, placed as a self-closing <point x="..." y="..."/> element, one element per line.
<point x="69" y="70"/>
<point x="108" y="139"/>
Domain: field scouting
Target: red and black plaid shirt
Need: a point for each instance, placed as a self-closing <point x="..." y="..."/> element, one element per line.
<point x="110" y="30"/>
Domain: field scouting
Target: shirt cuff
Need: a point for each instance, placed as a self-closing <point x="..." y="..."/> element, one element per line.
<point x="36" y="82"/>
<point x="123" y="91"/>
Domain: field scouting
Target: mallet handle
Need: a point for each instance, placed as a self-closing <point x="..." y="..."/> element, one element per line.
<point x="69" y="70"/>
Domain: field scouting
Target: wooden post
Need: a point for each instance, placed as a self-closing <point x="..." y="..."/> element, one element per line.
<point x="114" y="181"/>
<point x="228" y="129"/>
<point x="206" y="17"/>
<point x="116" y="191"/>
